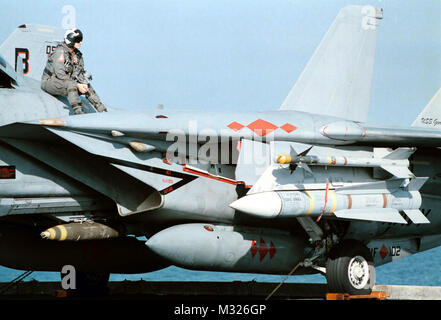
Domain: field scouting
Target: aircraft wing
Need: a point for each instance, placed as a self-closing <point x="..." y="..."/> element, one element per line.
<point x="66" y="154"/>
<point x="337" y="79"/>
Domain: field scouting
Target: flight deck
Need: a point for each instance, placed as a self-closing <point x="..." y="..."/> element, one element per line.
<point x="217" y="291"/>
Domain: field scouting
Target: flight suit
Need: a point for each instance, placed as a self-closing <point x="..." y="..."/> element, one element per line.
<point x="64" y="69"/>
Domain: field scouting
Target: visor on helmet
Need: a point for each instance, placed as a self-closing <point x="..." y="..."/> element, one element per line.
<point x="73" y="36"/>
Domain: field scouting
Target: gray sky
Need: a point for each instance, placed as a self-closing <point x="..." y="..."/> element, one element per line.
<point x="238" y="54"/>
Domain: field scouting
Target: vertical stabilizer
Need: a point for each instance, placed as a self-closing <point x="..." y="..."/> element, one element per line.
<point x="32" y="43"/>
<point x="337" y="79"/>
<point x="430" y="117"/>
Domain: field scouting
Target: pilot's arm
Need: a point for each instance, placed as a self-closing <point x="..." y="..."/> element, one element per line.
<point x="62" y="69"/>
<point x="78" y="70"/>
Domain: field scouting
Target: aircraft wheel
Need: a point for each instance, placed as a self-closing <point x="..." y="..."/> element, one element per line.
<point x="350" y="269"/>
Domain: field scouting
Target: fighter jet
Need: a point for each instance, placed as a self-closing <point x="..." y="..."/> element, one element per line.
<point x="308" y="188"/>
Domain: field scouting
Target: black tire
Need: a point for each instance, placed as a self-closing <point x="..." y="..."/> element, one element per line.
<point x="350" y="269"/>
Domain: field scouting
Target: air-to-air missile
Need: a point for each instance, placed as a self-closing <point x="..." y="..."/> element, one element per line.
<point x="88" y="230"/>
<point x="274" y="204"/>
<point x="229" y="248"/>
<point x="395" y="162"/>
<point x="379" y="201"/>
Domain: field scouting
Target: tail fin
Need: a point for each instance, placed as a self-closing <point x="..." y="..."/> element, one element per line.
<point x="337" y="79"/>
<point x="33" y="43"/>
<point x="430" y="117"/>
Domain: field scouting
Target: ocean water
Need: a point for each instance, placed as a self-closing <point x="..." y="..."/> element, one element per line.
<point x="422" y="269"/>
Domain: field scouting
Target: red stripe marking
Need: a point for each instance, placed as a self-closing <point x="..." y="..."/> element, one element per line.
<point x="349" y="201"/>
<point x="210" y="176"/>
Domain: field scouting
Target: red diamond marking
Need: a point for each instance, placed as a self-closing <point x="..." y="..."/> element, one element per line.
<point x="263" y="249"/>
<point x="384" y="252"/>
<point x="253" y="248"/>
<point x="4" y="172"/>
<point x="262" y="127"/>
<point x="235" y="126"/>
<point x="288" y="127"/>
<point x="272" y="250"/>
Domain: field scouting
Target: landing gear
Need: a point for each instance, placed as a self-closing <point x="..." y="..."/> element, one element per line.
<point x="350" y="269"/>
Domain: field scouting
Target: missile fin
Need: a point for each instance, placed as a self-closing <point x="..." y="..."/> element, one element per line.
<point x="303" y="153"/>
<point x="385" y="186"/>
<point x="292" y="167"/>
<point x="381" y="215"/>
<point x="400" y="154"/>
<point x="305" y="167"/>
<point x="299" y="149"/>
<point x="293" y="154"/>
<point x="416" y="216"/>
<point x="415" y="184"/>
<point x="398" y="171"/>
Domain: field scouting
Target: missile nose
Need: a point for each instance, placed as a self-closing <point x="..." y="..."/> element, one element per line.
<point x="48" y="234"/>
<point x="264" y="204"/>
<point x="45" y="234"/>
<point x="283" y="158"/>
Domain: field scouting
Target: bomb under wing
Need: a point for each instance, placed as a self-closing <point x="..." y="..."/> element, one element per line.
<point x="88" y="230"/>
